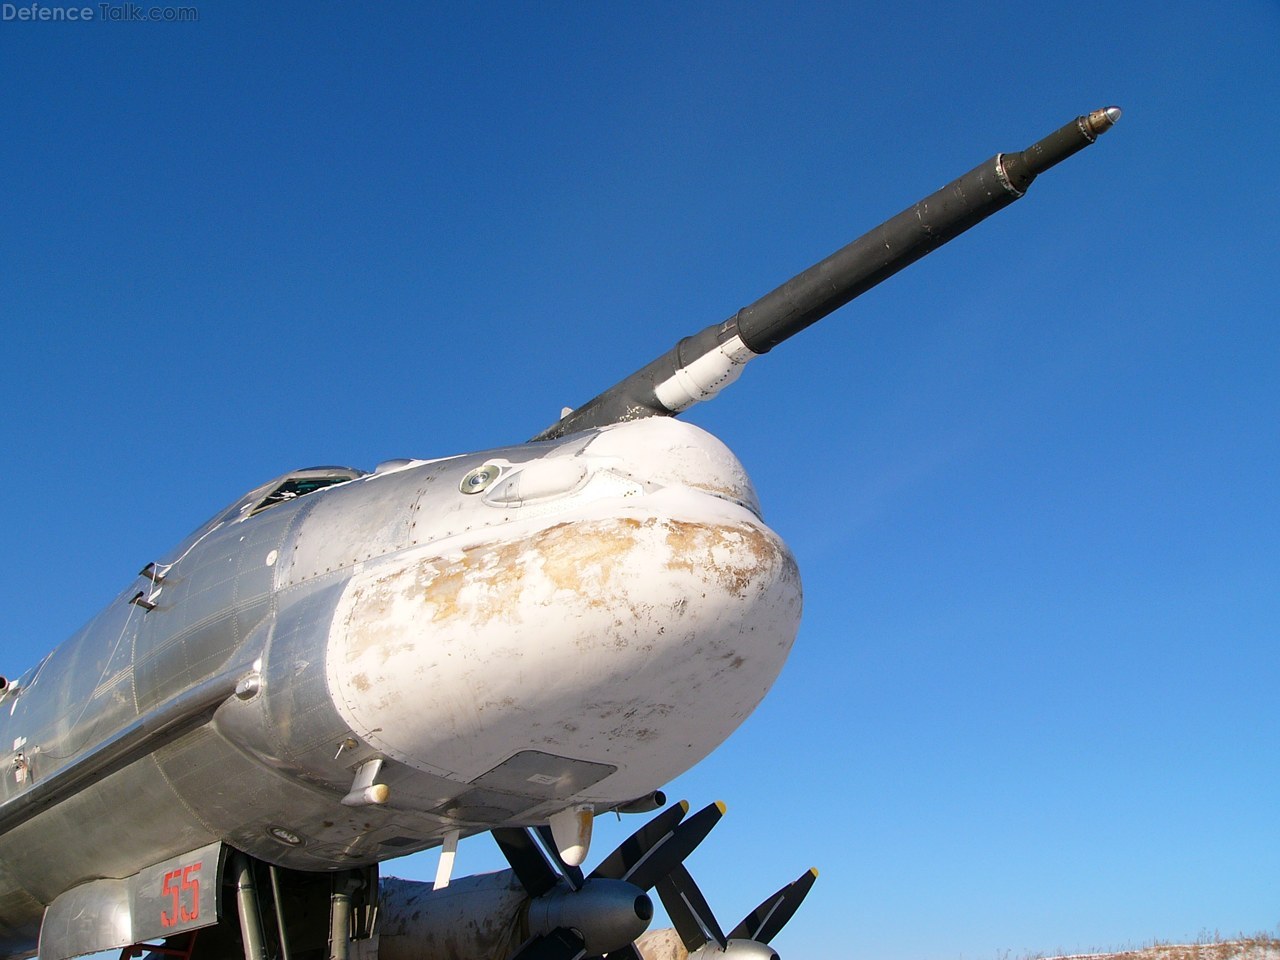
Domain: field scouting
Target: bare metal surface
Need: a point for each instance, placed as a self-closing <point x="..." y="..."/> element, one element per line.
<point x="93" y="916"/>
<point x="247" y="908"/>
<point x="136" y="739"/>
<point x="176" y="896"/>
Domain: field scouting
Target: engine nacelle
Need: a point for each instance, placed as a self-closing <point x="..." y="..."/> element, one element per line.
<point x="478" y="916"/>
<point x="488" y="916"/>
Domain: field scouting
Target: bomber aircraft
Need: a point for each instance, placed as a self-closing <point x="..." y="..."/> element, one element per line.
<point x="342" y="667"/>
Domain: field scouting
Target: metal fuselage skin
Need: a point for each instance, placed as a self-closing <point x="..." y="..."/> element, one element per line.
<point x="593" y="617"/>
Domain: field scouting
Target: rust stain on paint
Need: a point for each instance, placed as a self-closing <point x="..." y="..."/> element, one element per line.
<point x="735" y="556"/>
<point x="582" y="565"/>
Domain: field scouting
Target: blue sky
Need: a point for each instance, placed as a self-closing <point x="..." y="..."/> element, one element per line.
<point x="1031" y="482"/>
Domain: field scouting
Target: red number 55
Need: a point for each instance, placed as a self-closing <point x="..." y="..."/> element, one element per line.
<point x="182" y="887"/>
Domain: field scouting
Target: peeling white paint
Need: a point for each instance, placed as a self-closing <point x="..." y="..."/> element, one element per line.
<point x="636" y="631"/>
<point x="705" y="376"/>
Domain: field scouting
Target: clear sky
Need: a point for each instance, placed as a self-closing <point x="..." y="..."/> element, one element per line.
<point x="1031" y="482"/>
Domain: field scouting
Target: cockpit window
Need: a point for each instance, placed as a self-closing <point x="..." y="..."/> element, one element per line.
<point x="302" y="482"/>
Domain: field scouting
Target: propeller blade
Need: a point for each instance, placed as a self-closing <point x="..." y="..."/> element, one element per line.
<point x="559" y="944"/>
<point x="672" y="852"/>
<point x="528" y="861"/>
<point x="572" y="874"/>
<point x="634" y="850"/>
<point x="763" y="923"/>
<point x="688" y="910"/>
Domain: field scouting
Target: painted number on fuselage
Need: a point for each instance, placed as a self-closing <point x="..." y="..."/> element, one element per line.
<point x="181" y="889"/>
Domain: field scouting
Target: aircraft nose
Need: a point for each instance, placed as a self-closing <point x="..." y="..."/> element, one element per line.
<point x="629" y="635"/>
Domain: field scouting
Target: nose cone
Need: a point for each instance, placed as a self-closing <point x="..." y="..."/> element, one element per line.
<point x="626" y="635"/>
<point x="676" y="455"/>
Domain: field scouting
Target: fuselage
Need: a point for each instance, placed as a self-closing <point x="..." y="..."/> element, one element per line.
<point x="503" y="634"/>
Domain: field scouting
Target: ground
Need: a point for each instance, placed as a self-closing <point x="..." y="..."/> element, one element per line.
<point x="665" y="945"/>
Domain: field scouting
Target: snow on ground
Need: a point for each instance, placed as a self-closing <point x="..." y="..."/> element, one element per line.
<point x="1259" y="947"/>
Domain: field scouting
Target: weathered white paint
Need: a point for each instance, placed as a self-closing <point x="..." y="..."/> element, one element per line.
<point x="448" y="855"/>
<point x="571" y="829"/>
<point x="704" y="377"/>
<point x="635" y="626"/>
